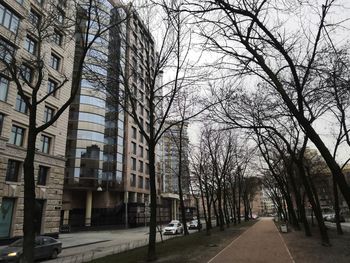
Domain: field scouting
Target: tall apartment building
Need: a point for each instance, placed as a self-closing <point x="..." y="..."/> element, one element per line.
<point x="17" y="20"/>
<point x="171" y="157"/>
<point x="107" y="179"/>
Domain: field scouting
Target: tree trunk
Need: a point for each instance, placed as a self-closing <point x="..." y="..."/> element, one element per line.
<point x="198" y="215"/>
<point x="180" y="172"/>
<point x="239" y="200"/>
<point x="314" y="205"/>
<point x="29" y="192"/>
<point x="151" y="256"/>
<point x="336" y="207"/>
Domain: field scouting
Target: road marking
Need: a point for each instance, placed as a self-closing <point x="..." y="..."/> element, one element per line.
<point x="245" y="231"/>
<point x="285" y="245"/>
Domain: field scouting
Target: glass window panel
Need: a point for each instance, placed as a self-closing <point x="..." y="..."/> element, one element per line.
<point x="42" y="175"/>
<point x="92" y="101"/>
<point x="133" y="164"/>
<point x="90" y="117"/>
<point x="57" y="38"/>
<point x="120" y="141"/>
<point x="21" y="106"/>
<point x="30" y="45"/>
<point x="17" y="134"/>
<point x="48" y="113"/>
<point x="12" y="173"/>
<point x="34" y="18"/>
<point x="2" y="117"/>
<point x="119" y="158"/>
<point x="45" y="142"/>
<point x="90" y="135"/>
<point x="51" y="87"/>
<point x="133" y="147"/>
<point x="4" y="85"/>
<point x="55" y="62"/>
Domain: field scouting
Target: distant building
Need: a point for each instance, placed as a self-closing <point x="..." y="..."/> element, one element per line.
<point x="171" y="166"/>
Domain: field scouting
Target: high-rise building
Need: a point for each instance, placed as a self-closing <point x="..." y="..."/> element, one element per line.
<point x="19" y="35"/>
<point x="171" y="166"/>
<point x="107" y="175"/>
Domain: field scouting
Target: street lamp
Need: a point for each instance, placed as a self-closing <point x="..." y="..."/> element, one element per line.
<point x="99" y="189"/>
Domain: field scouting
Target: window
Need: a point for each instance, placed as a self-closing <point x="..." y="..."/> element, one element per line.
<point x="57" y="38"/>
<point x="141" y="166"/>
<point x="147" y="168"/>
<point x="21" y="106"/>
<point x="20" y="2"/>
<point x="45" y="142"/>
<point x="48" y="113"/>
<point x="133" y="180"/>
<point x="30" y="45"/>
<point x="140" y="184"/>
<point x="42" y="175"/>
<point x="2" y="117"/>
<point x="51" y="87"/>
<point x="148" y="127"/>
<point x="141" y="96"/>
<point x="8" y="19"/>
<point x="34" y="18"/>
<point x="40" y="2"/>
<point x="12" y="173"/>
<point x="134" y="132"/>
<point x="140" y="109"/>
<point x="27" y="73"/>
<point x="60" y="16"/>
<point x="141" y="121"/>
<point x="17" y="135"/>
<point x="133" y="147"/>
<point x="147" y="184"/>
<point x="92" y="136"/>
<point x="147" y="154"/>
<point x="92" y="101"/>
<point x="140" y="137"/>
<point x="133" y="164"/>
<point x="6" y="51"/>
<point x="91" y="117"/>
<point x="4" y="86"/>
<point x="55" y="62"/>
<point x="141" y="151"/>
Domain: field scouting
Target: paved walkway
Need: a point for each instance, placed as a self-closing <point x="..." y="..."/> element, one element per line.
<point x="260" y="243"/>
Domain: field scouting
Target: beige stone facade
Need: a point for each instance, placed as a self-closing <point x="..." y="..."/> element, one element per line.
<point x="50" y="161"/>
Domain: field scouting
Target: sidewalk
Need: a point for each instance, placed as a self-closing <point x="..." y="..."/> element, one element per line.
<point x="260" y="243"/>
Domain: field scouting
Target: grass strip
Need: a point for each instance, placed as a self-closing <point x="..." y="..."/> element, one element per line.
<point x="196" y="247"/>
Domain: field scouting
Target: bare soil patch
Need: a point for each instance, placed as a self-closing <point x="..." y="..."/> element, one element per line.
<point x="310" y="250"/>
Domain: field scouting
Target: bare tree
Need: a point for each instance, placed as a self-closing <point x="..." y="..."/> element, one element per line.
<point x="250" y="45"/>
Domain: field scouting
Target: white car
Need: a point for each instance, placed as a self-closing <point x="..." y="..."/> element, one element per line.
<point x="173" y="228"/>
<point x="193" y="224"/>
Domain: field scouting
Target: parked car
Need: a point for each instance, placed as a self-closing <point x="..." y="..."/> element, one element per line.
<point x="331" y="218"/>
<point x="45" y="247"/>
<point x="255" y="216"/>
<point x="173" y="228"/>
<point x="194" y="225"/>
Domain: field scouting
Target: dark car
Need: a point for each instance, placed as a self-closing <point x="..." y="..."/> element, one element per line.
<point x="45" y="247"/>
